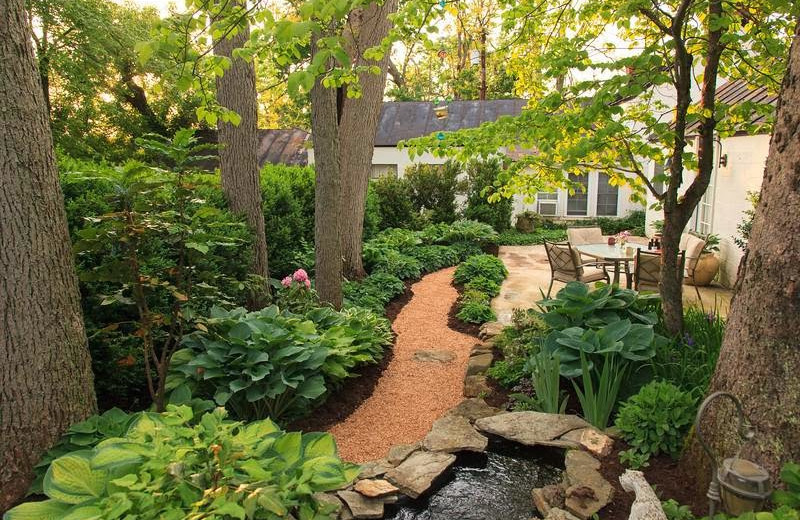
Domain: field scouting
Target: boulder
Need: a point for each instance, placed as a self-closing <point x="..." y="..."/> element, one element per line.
<point x="475" y="386"/>
<point x="327" y="498"/>
<point x="375" y="488"/>
<point x="557" y="513"/>
<point x="588" y="491"/>
<point x="480" y="348"/>
<point x="361" y="506"/>
<point x="479" y="364"/>
<point x="473" y="409"/>
<point x="453" y="433"/>
<point x="577" y="462"/>
<point x="375" y="468"/>
<point x="434" y="356"/>
<point x="491" y="329"/>
<point x="399" y="453"/>
<point x="530" y="428"/>
<point x="419" y="471"/>
<point x="548" y="497"/>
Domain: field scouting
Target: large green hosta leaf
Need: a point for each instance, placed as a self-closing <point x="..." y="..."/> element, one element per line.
<point x="71" y="478"/>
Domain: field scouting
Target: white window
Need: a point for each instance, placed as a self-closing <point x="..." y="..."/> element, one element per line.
<point x="578" y="203"/>
<point x="705" y="210"/>
<point x="547" y="203"/>
<point x="607" y="196"/>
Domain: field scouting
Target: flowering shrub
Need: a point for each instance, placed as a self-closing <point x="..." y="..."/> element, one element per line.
<point x="295" y="293"/>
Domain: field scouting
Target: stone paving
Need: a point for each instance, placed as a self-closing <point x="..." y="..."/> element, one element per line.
<point x="529" y="276"/>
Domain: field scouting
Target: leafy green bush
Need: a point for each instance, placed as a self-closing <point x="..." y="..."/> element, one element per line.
<point x="539" y="236"/>
<point x="476" y="312"/>
<point x="433" y="258"/>
<point x="466" y="249"/>
<point x="689" y="361"/>
<point x="395" y="238"/>
<point x="275" y="364"/>
<point x="174" y="466"/>
<point x="488" y="266"/>
<point x="508" y="372"/>
<point x="395" y="208"/>
<point x="393" y="262"/>
<point x="475" y="296"/>
<point x="657" y="419"/>
<point x="484" y="285"/>
<point x="433" y="190"/>
<point x="373" y="292"/>
<point x="459" y="231"/>
<point x="482" y="179"/>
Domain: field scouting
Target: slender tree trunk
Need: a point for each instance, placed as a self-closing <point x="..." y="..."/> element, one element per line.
<point x="238" y="160"/>
<point x="760" y="357"/>
<point x="45" y="371"/>
<point x="483" y="65"/>
<point x="328" y="193"/>
<point x="358" y="127"/>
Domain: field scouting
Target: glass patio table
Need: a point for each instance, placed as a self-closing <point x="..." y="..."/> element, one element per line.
<point x="616" y="254"/>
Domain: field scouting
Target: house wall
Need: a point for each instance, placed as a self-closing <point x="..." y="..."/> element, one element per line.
<point x="744" y="172"/>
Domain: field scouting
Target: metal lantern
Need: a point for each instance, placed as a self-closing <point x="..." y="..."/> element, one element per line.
<point x="738" y="485"/>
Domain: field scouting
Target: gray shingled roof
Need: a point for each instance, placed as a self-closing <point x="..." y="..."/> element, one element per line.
<point x="282" y="147"/>
<point x="738" y="91"/>
<point x="407" y="119"/>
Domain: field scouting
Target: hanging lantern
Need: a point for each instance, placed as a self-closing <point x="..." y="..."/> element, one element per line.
<point x="442" y="3"/>
<point x="442" y="54"/>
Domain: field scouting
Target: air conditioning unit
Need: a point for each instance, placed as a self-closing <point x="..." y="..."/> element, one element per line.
<point x="546" y="208"/>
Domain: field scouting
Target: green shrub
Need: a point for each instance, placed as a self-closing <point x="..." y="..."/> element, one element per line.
<point x="433" y="190"/>
<point x="484" y="285"/>
<point x="657" y="419"/>
<point x="470" y="231"/>
<point x="393" y="262"/>
<point x="395" y="208"/>
<point x="539" y="236"/>
<point x="487" y="266"/>
<point x="372" y="213"/>
<point x="476" y="312"/>
<point x="433" y="258"/>
<point x="689" y="361"/>
<point x="508" y="372"/>
<point x="275" y="364"/>
<point x="174" y="465"/>
<point x="482" y="181"/>
<point x="373" y="292"/>
<point x="466" y="249"/>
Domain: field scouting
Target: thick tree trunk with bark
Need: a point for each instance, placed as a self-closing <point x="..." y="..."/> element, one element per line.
<point x="357" y="129"/>
<point x="760" y="357"/>
<point x="328" y="193"/>
<point x="45" y="370"/>
<point x="238" y="160"/>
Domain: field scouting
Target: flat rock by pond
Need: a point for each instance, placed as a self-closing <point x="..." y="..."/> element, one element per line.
<point x="419" y="471"/>
<point x="453" y="433"/>
<point x="530" y="428"/>
<point x="375" y="488"/>
<point x="473" y="409"/>
<point x="361" y="506"/>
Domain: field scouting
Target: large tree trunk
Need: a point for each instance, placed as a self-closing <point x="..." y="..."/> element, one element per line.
<point x="760" y="357"/>
<point x="328" y="193"/>
<point x="357" y="129"/>
<point x="45" y="370"/>
<point x="238" y="160"/>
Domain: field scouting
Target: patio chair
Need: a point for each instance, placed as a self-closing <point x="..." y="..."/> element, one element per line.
<point x="693" y="246"/>
<point x="578" y="236"/>
<point x="566" y="266"/>
<point x="647" y="270"/>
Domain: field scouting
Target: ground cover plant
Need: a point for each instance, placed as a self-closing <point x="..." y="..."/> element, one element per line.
<point x="177" y="465"/>
<point x="484" y="274"/>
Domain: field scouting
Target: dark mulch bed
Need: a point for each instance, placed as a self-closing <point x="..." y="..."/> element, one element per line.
<point x="491" y="249"/>
<point x="662" y="473"/>
<point x="357" y="389"/>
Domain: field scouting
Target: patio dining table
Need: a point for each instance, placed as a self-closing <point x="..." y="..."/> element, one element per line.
<point x="616" y="254"/>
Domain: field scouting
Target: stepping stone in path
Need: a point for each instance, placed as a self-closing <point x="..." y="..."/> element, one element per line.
<point x="361" y="506"/>
<point x="452" y="434"/>
<point x="434" y="356"/>
<point x="418" y="473"/>
<point x="531" y="428"/>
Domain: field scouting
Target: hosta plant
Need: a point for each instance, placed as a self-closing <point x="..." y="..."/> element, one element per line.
<point x="487" y="266"/>
<point x="476" y="312"/>
<point x="257" y="364"/>
<point x="484" y="285"/>
<point x="373" y="292"/>
<point x="433" y="258"/>
<point x="630" y="341"/>
<point x="174" y="466"/>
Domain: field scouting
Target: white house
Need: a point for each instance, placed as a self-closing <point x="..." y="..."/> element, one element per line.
<point x="402" y="120"/>
<point x="738" y="169"/>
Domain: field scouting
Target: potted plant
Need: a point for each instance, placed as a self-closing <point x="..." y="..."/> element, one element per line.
<point x="708" y="263"/>
<point x="526" y="221"/>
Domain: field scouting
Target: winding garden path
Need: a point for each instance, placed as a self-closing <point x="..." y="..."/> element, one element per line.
<point x="411" y="394"/>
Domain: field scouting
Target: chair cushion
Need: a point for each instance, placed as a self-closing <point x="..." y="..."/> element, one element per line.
<point x="592" y="274"/>
<point x="585" y="235"/>
<point x="694" y="248"/>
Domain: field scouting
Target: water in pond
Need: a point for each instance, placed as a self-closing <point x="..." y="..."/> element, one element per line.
<point x="492" y="486"/>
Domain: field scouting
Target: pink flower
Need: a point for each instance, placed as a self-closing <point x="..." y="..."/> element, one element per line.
<point x="308" y="283"/>
<point x="300" y="275"/>
<point x="286" y="282"/>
